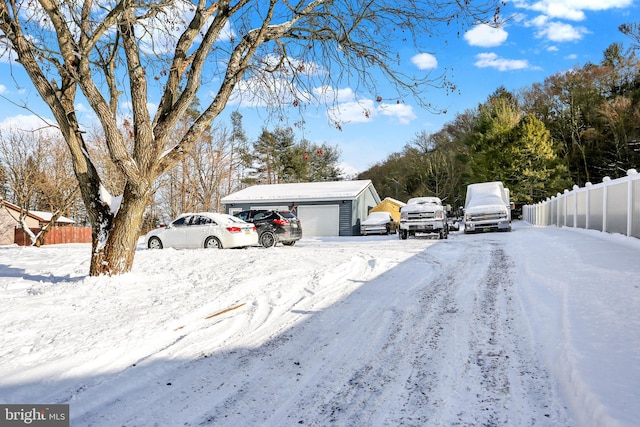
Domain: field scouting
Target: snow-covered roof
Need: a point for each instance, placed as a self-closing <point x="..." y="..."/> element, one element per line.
<point x="330" y="190"/>
<point x="46" y="217"/>
<point x="38" y="215"/>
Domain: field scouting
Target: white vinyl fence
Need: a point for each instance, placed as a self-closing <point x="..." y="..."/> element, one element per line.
<point x="612" y="206"/>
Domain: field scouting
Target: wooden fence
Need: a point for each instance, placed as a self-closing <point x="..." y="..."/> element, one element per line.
<point x="56" y="235"/>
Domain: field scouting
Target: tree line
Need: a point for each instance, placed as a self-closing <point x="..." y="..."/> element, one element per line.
<point x="575" y="127"/>
<point x="36" y="175"/>
<point x="276" y="54"/>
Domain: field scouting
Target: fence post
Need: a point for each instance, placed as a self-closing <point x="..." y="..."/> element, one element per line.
<point x="605" y="202"/>
<point x="587" y="211"/>
<point x="630" y="174"/>
<point x="575" y="205"/>
<point x="565" y="196"/>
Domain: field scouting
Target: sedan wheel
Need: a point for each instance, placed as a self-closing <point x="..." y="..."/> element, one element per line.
<point x="268" y="239"/>
<point x="212" y="243"/>
<point x="154" y="243"/>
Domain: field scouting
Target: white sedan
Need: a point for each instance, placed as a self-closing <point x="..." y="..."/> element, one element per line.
<point x="204" y="230"/>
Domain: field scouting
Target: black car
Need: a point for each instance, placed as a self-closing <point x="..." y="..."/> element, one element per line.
<point x="273" y="226"/>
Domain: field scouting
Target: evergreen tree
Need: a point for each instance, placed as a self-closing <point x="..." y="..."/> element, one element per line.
<point x="515" y="149"/>
<point x="238" y="152"/>
<point x="321" y="162"/>
<point x="277" y="158"/>
<point x="490" y="138"/>
<point x="535" y="170"/>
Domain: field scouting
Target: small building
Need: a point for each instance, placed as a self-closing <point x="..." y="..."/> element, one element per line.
<point x="11" y="230"/>
<point x="333" y="208"/>
<point x="390" y="205"/>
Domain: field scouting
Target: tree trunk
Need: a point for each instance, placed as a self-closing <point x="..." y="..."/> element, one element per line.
<point x="47" y="228"/>
<point x="25" y="227"/>
<point x="115" y="240"/>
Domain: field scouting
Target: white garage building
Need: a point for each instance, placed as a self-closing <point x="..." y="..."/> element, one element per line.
<point x="333" y="208"/>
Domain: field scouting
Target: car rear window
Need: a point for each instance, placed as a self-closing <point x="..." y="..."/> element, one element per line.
<point x="235" y="219"/>
<point x="286" y="214"/>
<point x="262" y="215"/>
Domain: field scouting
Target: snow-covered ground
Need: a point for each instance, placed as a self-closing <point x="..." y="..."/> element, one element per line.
<point x="540" y="326"/>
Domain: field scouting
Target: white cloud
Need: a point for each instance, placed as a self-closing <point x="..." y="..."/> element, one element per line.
<point x="404" y="113"/>
<point x="7" y="55"/>
<point x="258" y="92"/>
<point x="425" y="61"/>
<point x="366" y="110"/>
<point x="159" y="35"/>
<point x="556" y="31"/>
<point x="31" y="122"/>
<point x="561" y="32"/>
<point x="573" y="10"/>
<point x="485" y="36"/>
<point x="492" y="60"/>
<point x="538" y="21"/>
<point x="347" y="171"/>
<point x="327" y="94"/>
<point x="81" y="108"/>
<point x="354" y="112"/>
<point x="266" y="88"/>
<point x="3" y="89"/>
<point x="289" y="65"/>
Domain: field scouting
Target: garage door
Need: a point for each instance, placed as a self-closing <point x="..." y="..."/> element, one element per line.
<point x="319" y="220"/>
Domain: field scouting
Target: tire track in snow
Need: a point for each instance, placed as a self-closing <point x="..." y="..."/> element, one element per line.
<point x="501" y="380"/>
<point x="420" y="372"/>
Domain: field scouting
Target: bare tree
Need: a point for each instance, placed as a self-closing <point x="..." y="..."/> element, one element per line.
<point x="57" y="186"/>
<point x="22" y="155"/>
<point x="632" y="30"/>
<point x="103" y="51"/>
<point x="211" y="167"/>
<point x="37" y="176"/>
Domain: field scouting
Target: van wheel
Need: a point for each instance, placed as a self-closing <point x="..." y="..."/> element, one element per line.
<point x="403" y="234"/>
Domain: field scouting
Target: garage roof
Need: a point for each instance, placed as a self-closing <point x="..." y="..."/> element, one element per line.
<point x="331" y="190"/>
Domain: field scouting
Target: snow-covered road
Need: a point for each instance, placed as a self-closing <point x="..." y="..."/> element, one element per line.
<point x="488" y="329"/>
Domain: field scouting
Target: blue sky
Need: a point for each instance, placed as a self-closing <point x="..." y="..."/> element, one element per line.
<point x="538" y="39"/>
